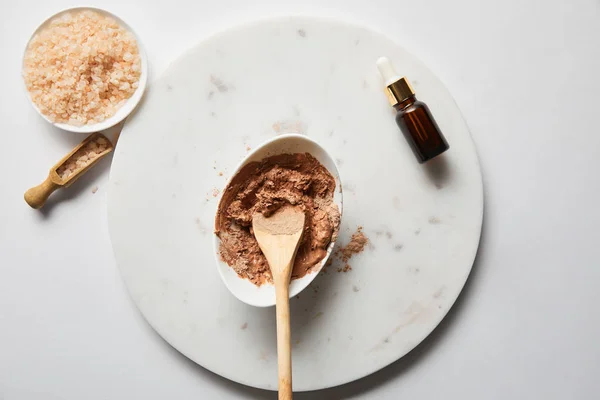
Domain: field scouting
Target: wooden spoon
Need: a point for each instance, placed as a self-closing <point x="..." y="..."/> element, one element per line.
<point x="279" y="237"/>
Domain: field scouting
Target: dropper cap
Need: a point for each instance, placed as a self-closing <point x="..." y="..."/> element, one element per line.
<point x="397" y="88"/>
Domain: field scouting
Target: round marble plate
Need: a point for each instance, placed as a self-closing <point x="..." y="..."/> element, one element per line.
<point x="232" y="92"/>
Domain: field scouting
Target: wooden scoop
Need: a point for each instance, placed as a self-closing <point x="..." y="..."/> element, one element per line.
<point x="279" y="237"/>
<point x="57" y="178"/>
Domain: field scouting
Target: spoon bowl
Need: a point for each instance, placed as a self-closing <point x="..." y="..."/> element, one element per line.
<point x="264" y="295"/>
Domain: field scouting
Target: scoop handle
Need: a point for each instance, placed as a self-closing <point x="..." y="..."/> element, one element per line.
<point x="36" y="196"/>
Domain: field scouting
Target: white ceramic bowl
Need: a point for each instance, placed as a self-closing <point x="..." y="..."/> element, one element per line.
<point x="264" y="295"/>
<point x="129" y="105"/>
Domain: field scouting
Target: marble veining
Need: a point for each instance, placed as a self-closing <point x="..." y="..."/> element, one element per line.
<point x="229" y="94"/>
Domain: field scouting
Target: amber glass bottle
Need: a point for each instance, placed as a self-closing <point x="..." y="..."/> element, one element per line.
<point x="413" y="117"/>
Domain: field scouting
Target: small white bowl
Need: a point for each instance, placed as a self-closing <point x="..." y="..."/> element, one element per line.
<point x="129" y="105"/>
<point x="264" y="295"/>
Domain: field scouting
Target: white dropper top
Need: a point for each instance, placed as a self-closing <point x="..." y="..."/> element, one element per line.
<point x="386" y="69"/>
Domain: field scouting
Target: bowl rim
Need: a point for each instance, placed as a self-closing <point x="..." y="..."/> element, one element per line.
<point x="313" y="273"/>
<point x="130" y="104"/>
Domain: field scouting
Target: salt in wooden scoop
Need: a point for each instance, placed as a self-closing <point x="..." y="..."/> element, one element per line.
<point x="70" y="168"/>
<point x="279" y="237"/>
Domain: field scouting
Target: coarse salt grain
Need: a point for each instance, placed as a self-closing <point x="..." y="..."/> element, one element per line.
<point x="82" y="157"/>
<point x="81" y="68"/>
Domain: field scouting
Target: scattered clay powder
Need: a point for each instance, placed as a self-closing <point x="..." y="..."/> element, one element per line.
<point x="357" y="244"/>
<point x="81" y="68"/>
<point x="358" y="241"/>
<point x="264" y="187"/>
<point x="345" y="268"/>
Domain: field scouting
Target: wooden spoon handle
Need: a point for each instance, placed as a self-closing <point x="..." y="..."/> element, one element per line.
<point x="284" y="350"/>
<point x="36" y="196"/>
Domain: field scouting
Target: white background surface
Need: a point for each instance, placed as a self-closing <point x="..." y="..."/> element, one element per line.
<point x="524" y="73"/>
